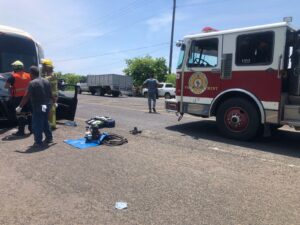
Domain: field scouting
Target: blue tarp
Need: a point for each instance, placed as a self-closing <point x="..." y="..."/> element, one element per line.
<point x="81" y="144"/>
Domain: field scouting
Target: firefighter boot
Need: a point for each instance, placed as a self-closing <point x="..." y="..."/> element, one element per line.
<point x="20" y="132"/>
<point x="21" y="126"/>
<point x="52" y="117"/>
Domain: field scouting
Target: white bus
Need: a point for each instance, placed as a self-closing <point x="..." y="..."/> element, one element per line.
<point x="15" y="45"/>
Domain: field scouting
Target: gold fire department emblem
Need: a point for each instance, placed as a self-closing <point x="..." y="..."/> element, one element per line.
<point x="198" y="83"/>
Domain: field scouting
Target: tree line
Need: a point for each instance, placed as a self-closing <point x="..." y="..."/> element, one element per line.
<point x="138" y="68"/>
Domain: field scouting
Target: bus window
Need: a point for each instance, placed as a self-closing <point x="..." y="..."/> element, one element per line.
<point x="12" y="48"/>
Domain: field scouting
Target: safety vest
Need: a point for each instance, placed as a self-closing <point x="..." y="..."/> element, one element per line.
<point x="21" y="83"/>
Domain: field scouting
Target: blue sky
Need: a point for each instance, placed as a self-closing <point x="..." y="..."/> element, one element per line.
<point x="96" y="36"/>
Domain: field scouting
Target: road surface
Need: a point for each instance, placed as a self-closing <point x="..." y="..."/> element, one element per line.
<point x="173" y="173"/>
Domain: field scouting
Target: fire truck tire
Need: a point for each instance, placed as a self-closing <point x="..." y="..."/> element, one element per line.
<point x="237" y="118"/>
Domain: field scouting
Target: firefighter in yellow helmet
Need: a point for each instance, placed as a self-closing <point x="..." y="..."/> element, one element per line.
<point x="47" y="73"/>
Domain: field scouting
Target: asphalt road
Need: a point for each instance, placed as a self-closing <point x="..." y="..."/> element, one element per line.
<point x="173" y="173"/>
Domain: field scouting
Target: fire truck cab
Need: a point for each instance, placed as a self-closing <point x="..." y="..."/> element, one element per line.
<point x="248" y="78"/>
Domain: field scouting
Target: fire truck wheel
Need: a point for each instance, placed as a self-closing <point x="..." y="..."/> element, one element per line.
<point x="238" y="118"/>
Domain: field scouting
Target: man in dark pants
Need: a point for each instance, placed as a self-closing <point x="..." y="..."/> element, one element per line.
<point x="39" y="92"/>
<point x="18" y="83"/>
<point x="151" y="85"/>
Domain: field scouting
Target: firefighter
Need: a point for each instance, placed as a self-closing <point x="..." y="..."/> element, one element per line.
<point x="18" y="83"/>
<point x="47" y="73"/>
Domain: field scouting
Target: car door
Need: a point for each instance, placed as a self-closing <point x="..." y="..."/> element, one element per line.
<point x="7" y="113"/>
<point x="160" y="89"/>
<point x="67" y="103"/>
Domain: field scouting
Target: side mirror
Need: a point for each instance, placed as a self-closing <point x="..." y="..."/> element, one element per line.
<point x="179" y="43"/>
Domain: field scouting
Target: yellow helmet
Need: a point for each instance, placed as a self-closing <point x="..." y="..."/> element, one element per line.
<point x="47" y="62"/>
<point x="17" y="65"/>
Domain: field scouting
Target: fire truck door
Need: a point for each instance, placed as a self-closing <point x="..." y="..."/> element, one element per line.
<point x="202" y="76"/>
<point x="294" y="76"/>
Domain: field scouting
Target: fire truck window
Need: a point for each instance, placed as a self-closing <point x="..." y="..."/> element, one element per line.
<point x="255" y="49"/>
<point x="181" y="57"/>
<point x="203" y="53"/>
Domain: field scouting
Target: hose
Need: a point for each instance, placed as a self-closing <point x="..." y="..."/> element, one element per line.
<point x="114" y="140"/>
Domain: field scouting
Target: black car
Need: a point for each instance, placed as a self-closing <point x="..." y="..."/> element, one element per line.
<point x="67" y="104"/>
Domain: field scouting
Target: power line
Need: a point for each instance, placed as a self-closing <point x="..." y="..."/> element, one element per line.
<point x="121" y="12"/>
<point x="201" y="3"/>
<point x="139" y="55"/>
<point x="111" y="53"/>
<point x="109" y="32"/>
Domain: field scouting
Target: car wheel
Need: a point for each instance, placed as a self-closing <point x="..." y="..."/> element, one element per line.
<point x="102" y="92"/>
<point x="167" y="96"/>
<point x="79" y="90"/>
<point x="146" y="94"/>
<point x="115" y="94"/>
<point x="238" y="118"/>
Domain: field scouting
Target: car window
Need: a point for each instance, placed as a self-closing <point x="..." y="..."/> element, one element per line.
<point x="3" y="91"/>
<point x="169" y="85"/>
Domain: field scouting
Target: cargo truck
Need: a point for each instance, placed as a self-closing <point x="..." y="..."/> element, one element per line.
<point x="112" y="84"/>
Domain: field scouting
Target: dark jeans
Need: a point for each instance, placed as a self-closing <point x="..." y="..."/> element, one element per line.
<point x="151" y="98"/>
<point x="40" y="124"/>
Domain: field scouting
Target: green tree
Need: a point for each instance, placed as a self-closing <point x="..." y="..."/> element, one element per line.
<point x="71" y="78"/>
<point x="171" y="78"/>
<point x="141" y="67"/>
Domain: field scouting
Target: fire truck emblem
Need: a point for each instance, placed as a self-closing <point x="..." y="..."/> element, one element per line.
<point x="198" y="83"/>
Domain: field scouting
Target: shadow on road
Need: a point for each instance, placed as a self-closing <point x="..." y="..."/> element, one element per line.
<point x="12" y="137"/>
<point x="4" y="130"/>
<point x="32" y="149"/>
<point x="281" y="142"/>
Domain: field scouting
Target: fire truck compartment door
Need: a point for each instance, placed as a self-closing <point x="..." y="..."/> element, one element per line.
<point x="256" y="62"/>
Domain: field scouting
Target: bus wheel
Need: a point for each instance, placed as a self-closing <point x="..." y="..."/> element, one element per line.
<point x="237" y="118"/>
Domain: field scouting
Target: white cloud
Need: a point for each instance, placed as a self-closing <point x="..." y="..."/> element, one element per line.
<point x="158" y="23"/>
<point x="164" y="21"/>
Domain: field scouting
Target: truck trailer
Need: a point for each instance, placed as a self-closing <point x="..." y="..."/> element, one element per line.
<point x="112" y="84"/>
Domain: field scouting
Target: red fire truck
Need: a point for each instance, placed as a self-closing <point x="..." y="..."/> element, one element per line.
<point x="248" y="78"/>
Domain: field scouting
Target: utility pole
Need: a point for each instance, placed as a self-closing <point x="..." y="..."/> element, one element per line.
<point x="172" y="34"/>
